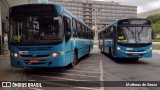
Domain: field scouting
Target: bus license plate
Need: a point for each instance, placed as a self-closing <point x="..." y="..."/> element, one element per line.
<point x="135" y="54"/>
<point x="34" y="61"/>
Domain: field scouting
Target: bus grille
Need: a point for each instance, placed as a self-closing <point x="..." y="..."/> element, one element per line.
<point x="33" y="56"/>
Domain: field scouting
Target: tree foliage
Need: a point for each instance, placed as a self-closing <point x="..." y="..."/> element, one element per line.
<point x="155" y="22"/>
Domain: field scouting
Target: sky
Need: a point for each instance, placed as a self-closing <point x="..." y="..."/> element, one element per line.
<point x="142" y="5"/>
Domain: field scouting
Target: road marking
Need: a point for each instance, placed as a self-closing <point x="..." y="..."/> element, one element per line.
<point x="88" y="61"/>
<point x="88" y="68"/>
<point x="101" y="75"/>
<point x="88" y="64"/>
<point x="76" y="75"/>
<point x="35" y="89"/>
<point x="59" y="78"/>
<point x="84" y="71"/>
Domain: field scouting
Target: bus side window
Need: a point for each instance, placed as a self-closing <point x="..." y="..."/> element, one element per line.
<point x="111" y="32"/>
<point x="74" y="28"/>
<point x="107" y="33"/>
<point x="67" y="28"/>
<point x="74" y="24"/>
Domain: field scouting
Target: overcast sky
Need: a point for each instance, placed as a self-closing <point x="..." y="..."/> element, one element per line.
<point x="142" y="5"/>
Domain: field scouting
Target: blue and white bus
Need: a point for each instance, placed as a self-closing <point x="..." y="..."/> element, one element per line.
<point x="47" y="35"/>
<point x="127" y="38"/>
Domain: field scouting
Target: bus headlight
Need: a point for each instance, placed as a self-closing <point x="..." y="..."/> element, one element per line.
<point x="150" y="48"/>
<point x="118" y="48"/>
<point x="14" y="54"/>
<point x="56" y="54"/>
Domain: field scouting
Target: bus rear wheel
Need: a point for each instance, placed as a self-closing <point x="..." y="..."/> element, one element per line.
<point x="75" y="61"/>
<point x="88" y="51"/>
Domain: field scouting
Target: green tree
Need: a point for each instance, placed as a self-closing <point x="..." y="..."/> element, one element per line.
<point x="155" y="22"/>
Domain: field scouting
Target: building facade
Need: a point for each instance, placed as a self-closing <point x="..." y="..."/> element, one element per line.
<point x="97" y="13"/>
<point x="4" y="6"/>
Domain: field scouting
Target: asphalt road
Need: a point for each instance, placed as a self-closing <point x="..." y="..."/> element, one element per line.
<point x="96" y="67"/>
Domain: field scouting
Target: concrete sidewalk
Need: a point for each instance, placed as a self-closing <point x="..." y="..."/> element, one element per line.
<point x="156" y="43"/>
<point x="5" y="55"/>
<point x="156" y="51"/>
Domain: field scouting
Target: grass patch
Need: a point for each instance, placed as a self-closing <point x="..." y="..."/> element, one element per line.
<point x="156" y="47"/>
<point x="156" y="40"/>
<point x="96" y="43"/>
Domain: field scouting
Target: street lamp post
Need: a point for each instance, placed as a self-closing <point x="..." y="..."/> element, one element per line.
<point x="1" y="48"/>
<point x="95" y="27"/>
<point x="95" y="22"/>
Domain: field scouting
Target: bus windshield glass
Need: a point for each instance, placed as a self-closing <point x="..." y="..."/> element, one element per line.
<point x="137" y="34"/>
<point x="33" y="30"/>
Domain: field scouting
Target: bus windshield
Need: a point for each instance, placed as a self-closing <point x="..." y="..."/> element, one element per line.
<point x="138" y="34"/>
<point x="31" y="30"/>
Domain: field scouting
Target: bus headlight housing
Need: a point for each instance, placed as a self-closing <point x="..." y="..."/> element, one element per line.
<point x="118" y="48"/>
<point x="14" y="54"/>
<point x="56" y="54"/>
<point x="149" y="49"/>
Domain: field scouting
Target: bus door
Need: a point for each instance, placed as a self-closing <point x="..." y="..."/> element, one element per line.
<point x="103" y="41"/>
<point x="114" y="40"/>
<point x="68" y="41"/>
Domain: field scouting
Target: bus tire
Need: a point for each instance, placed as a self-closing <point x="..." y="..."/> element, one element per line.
<point x="101" y="49"/>
<point x="110" y="53"/>
<point x="75" y="61"/>
<point x="88" y="51"/>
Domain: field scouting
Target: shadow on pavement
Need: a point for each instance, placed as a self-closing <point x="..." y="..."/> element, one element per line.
<point x="124" y="60"/>
<point x="29" y="70"/>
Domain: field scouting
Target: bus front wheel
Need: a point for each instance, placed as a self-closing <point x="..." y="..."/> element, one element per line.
<point x="110" y="53"/>
<point x="88" y="51"/>
<point x="75" y="61"/>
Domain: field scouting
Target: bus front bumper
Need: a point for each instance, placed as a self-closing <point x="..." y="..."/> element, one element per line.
<point x="120" y="54"/>
<point x="51" y="62"/>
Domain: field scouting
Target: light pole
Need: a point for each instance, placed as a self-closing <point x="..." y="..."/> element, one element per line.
<point x="1" y="46"/>
<point x="95" y="21"/>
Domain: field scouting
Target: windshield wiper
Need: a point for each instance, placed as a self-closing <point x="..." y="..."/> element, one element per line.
<point x="139" y="33"/>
